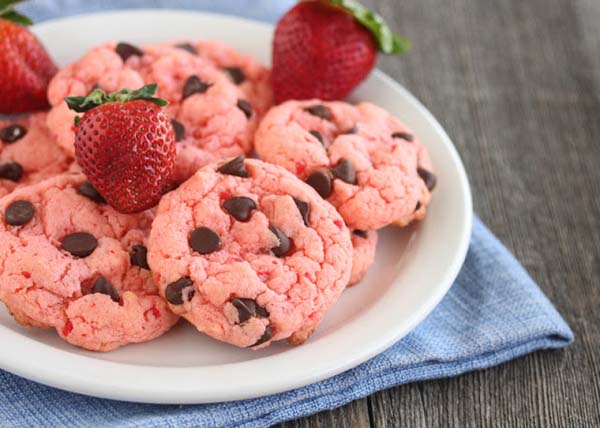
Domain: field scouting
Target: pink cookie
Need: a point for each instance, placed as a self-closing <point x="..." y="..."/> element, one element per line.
<point x="249" y="254"/>
<point x="28" y="154"/>
<point x="216" y="95"/>
<point x="70" y="262"/>
<point x="360" y="158"/>
<point x="364" y="245"/>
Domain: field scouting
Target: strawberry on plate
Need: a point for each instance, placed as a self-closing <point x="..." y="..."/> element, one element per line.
<point x="325" y="48"/>
<point x="25" y="67"/>
<point x="125" y="144"/>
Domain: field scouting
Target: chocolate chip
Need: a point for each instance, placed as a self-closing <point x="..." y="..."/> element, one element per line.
<point x="79" y="244"/>
<point x="428" y="177"/>
<point x="319" y="110"/>
<point x="86" y="189"/>
<point x="321" y="182"/>
<point x="174" y="291"/>
<point x="102" y="286"/>
<point x="361" y="233"/>
<point x="19" y="213"/>
<point x="265" y="337"/>
<point x="239" y="207"/>
<point x="344" y="171"/>
<point x="187" y="47"/>
<point x="204" y="240"/>
<point x="284" y="242"/>
<point x="12" y="171"/>
<point x="304" y="209"/>
<point x="418" y="207"/>
<point x="404" y="136"/>
<point x="193" y="85"/>
<point x="247" y="308"/>
<point x="12" y="133"/>
<point x="236" y="74"/>
<point x="125" y="50"/>
<point x="235" y="167"/>
<point x="245" y="106"/>
<point x="352" y="130"/>
<point x="179" y="130"/>
<point x="139" y="256"/>
<point x="317" y="135"/>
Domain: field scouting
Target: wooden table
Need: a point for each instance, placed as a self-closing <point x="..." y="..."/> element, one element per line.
<point x="516" y="83"/>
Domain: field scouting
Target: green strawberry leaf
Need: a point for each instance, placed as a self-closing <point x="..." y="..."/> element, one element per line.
<point x="98" y="97"/>
<point x="7" y="12"/>
<point x="388" y="42"/>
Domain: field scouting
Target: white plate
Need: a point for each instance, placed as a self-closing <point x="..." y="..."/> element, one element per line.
<point x="414" y="268"/>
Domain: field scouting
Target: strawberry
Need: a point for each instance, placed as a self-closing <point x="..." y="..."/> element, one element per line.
<point x="325" y="48"/>
<point x="25" y="67"/>
<point x="125" y="144"/>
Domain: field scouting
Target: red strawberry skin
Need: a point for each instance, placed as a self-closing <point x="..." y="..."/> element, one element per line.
<point x="320" y="51"/>
<point x="25" y="70"/>
<point x="127" y="151"/>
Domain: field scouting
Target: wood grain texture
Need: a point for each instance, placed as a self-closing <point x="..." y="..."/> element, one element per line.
<point x="517" y="86"/>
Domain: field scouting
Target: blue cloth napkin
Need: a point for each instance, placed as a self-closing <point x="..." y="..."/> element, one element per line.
<point x="494" y="312"/>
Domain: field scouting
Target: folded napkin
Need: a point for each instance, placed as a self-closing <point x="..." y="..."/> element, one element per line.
<point x="494" y="312"/>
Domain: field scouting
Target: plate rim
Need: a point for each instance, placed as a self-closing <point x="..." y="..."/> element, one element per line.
<point x="62" y="378"/>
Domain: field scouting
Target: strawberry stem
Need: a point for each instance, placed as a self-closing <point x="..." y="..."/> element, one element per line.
<point x="388" y="42"/>
<point x="8" y="13"/>
<point x="98" y="97"/>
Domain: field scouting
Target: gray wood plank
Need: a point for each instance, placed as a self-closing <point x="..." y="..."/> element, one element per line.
<point x="517" y="86"/>
<point x="355" y="414"/>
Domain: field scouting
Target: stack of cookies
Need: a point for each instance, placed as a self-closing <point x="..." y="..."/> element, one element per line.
<point x="249" y="251"/>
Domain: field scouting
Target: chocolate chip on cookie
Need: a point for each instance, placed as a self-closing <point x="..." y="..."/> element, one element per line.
<point x="236" y="74"/>
<point x="284" y="242"/>
<point x="102" y="286"/>
<point x="319" y="110"/>
<point x="204" y="240"/>
<point x="404" y="136"/>
<point x="174" y="291"/>
<point x="428" y="177"/>
<point x="79" y="244"/>
<point x="126" y="50"/>
<point x="235" y="167"/>
<point x="248" y="308"/>
<point x="246" y="107"/>
<point x="344" y="171"/>
<point x="12" y="171"/>
<point x="139" y="256"/>
<point x="240" y="207"/>
<point x="304" y="209"/>
<point x="12" y="133"/>
<point x="86" y="189"/>
<point x="179" y="130"/>
<point x="19" y="213"/>
<point x="194" y="85"/>
<point x="187" y="47"/>
<point x="321" y="182"/>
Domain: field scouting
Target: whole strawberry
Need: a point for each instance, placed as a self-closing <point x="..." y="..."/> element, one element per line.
<point x="325" y="48"/>
<point x="25" y="67"/>
<point x="125" y="144"/>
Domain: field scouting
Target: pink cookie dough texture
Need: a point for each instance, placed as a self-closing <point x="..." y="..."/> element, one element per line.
<point x="35" y="152"/>
<point x="239" y="291"/>
<point x="44" y="285"/>
<point x="216" y="123"/>
<point x="364" y="246"/>
<point x="384" y="154"/>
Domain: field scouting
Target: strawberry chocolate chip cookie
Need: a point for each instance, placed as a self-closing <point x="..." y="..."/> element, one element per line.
<point x="249" y="254"/>
<point x="69" y="261"/>
<point x="216" y="96"/>
<point x="360" y="158"/>
<point x="28" y="154"/>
